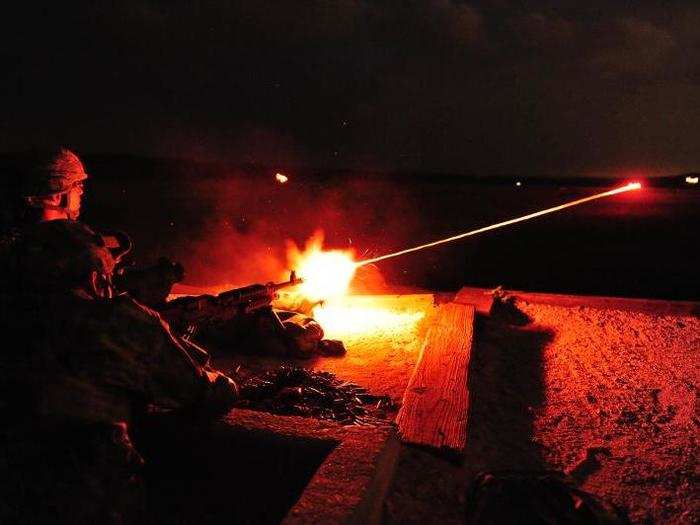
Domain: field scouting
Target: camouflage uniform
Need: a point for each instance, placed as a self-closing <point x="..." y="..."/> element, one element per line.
<point x="82" y="367"/>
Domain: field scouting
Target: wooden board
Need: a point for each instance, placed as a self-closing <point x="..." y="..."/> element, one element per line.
<point x="434" y="408"/>
<point x="481" y="298"/>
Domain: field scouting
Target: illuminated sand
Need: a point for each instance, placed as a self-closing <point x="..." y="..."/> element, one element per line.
<point x="383" y="335"/>
<point x="619" y="409"/>
<point x="605" y="389"/>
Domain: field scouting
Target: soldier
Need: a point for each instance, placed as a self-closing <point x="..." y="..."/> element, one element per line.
<point x="48" y="185"/>
<point x="84" y="365"/>
<point x="51" y="189"/>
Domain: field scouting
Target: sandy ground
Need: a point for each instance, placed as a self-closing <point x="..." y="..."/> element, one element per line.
<point x="382" y="361"/>
<point x="608" y="396"/>
<point x="620" y="409"/>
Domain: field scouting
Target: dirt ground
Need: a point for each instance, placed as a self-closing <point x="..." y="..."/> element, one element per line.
<point x="608" y="396"/>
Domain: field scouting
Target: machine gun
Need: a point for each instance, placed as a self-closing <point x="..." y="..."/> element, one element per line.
<point x="206" y="309"/>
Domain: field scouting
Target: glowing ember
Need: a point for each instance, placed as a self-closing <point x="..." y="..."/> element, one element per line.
<point x="281" y="178"/>
<point x="326" y="274"/>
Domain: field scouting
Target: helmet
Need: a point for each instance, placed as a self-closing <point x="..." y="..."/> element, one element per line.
<point x="36" y="178"/>
<point x="51" y="172"/>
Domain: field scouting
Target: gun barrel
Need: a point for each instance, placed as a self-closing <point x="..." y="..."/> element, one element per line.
<point x="293" y="281"/>
<point x="225" y="305"/>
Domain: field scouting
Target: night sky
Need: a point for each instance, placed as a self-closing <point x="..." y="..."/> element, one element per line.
<point x="493" y="87"/>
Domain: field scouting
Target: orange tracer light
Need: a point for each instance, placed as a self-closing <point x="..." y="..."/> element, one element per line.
<point x="632" y="186"/>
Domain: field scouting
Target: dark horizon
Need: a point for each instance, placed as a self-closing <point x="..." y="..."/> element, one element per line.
<point x="109" y="163"/>
<point x="216" y="168"/>
<point x="487" y="87"/>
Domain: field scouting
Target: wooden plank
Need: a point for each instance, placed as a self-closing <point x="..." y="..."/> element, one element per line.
<point x="434" y="408"/>
<point x="481" y="298"/>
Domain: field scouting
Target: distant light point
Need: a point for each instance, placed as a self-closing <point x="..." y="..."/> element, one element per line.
<point x="281" y="178"/>
<point x="691" y="180"/>
<point x="518" y="183"/>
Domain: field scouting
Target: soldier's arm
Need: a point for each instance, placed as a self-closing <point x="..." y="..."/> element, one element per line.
<point x="144" y="357"/>
<point x="150" y="286"/>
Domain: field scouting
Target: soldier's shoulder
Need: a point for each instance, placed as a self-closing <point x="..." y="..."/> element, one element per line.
<point x="59" y="255"/>
<point x="57" y="243"/>
<point x="71" y="232"/>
